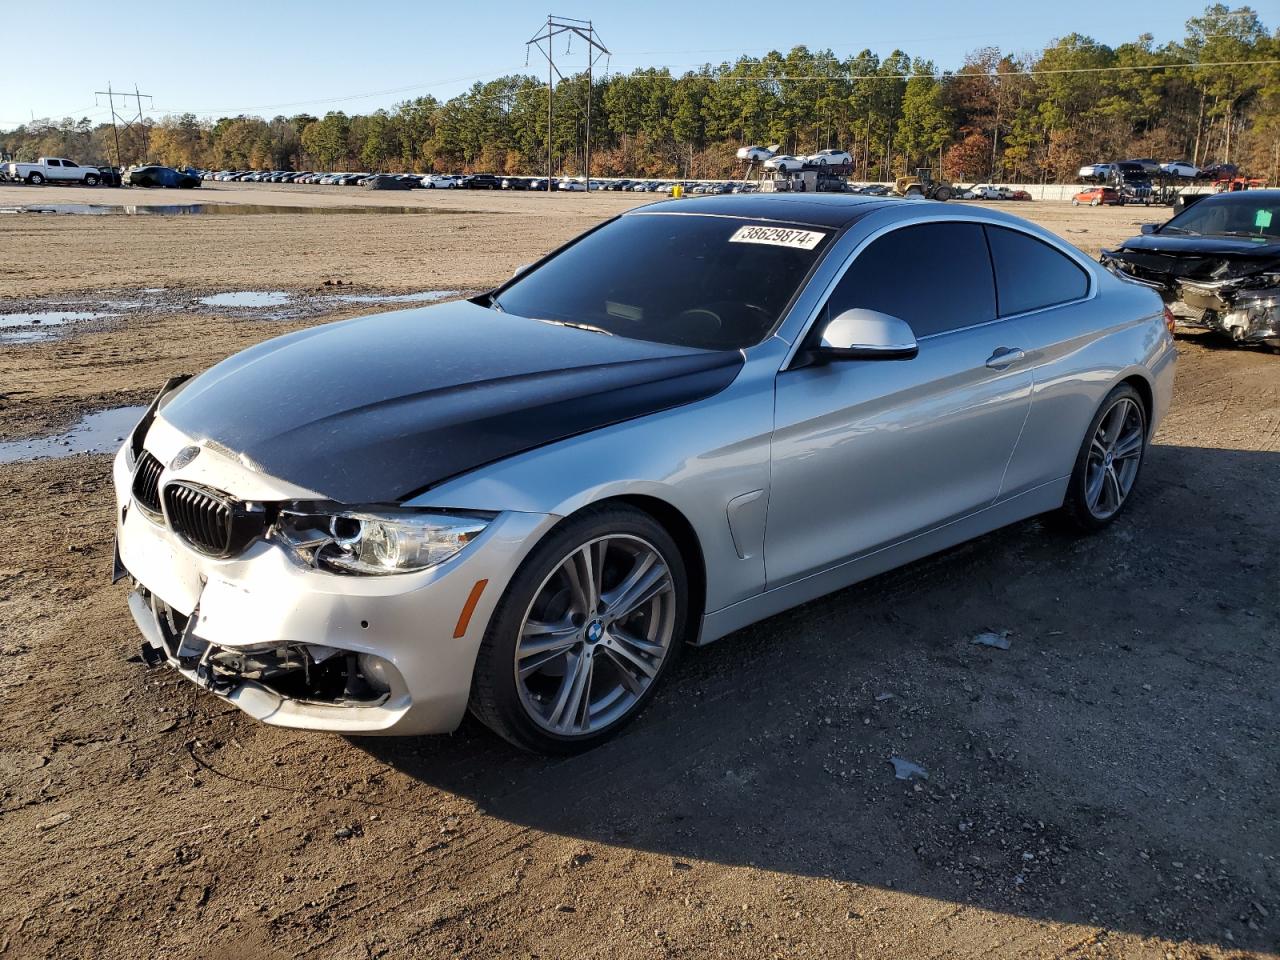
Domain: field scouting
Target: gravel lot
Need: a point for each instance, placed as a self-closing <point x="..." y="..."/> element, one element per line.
<point x="1106" y="787"/>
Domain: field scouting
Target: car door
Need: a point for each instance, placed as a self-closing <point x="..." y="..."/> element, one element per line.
<point x="70" y="171"/>
<point x="1048" y="294"/>
<point x="867" y="453"/>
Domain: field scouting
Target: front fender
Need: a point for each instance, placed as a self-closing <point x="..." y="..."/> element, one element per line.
<point x="696" y="458"/>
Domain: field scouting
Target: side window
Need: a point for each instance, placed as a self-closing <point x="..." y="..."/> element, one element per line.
<point x="935" y="276"/>
<point x="53" y="163"/>
<point x="1030" y="274"/>
<point x="68" y="163"/>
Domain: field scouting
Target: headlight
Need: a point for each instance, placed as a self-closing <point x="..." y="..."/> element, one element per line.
<point x="376" y="542"/>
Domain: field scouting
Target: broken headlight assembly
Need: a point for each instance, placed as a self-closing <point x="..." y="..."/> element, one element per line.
<point x="375" y="542"/>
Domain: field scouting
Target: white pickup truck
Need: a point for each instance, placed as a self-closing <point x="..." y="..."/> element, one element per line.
<point x="51" y="169"/>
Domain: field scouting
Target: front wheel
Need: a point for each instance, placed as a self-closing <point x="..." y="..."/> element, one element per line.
<point x="587" y="628"/>
<point x="90" y="180"/>
<point x="1109" y="461"/>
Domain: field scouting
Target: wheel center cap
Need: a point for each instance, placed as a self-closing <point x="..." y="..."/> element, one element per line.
<point x="1110" y="458"/>
<point x="595" y="631"/>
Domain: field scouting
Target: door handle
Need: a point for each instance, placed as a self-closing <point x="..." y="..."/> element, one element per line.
<point x="1004" y="357"/>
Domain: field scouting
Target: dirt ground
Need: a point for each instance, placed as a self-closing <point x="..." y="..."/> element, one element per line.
<point x="1106" y="787"/>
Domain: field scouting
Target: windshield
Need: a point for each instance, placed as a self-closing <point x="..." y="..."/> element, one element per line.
<point x="717" y="283"/>
<point x="1231" y="215"/>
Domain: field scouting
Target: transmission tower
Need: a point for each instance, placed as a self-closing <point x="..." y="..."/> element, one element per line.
<point x="133" y="120"/>
<point x="595" y="50"/>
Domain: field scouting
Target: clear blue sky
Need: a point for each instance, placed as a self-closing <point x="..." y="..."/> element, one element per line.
<point x="269" y="57"/>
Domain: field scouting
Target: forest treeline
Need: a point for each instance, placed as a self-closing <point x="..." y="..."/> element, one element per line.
<point x="1001" y="116"/>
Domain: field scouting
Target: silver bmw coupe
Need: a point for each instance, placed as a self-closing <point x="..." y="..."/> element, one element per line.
<point x="696" y="415"/>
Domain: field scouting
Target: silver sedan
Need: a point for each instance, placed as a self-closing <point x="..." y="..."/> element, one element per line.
<point x="699" y="414"/>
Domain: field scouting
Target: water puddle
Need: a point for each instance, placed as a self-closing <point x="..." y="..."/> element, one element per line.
<point x="24" y="327"/>
<point x="41" y="320"/>
<point x="247" y="298"/>
<point x="219" y="209"/>
<point x="99" y="432"/>
<point x="426" y="296"/>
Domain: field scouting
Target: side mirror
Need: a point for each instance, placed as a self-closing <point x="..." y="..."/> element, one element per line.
<point x="860" y="334"/>
<point x="520" y="269"/>
<point x="1148" y="228"/>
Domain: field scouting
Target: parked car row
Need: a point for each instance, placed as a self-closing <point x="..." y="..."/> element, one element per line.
<point x="1147" y="167"/>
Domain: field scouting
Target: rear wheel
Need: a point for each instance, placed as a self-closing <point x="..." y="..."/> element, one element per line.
<point x="1075" y="202"/>
<point x="584" y="633"/>
<point x="35" y="179"/>
<point x="1109" y="461"/>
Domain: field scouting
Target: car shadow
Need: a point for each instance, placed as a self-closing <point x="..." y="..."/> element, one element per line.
<point x="1116" y="765"/>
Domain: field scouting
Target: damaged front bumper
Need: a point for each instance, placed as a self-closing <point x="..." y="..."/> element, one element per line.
<point x="298" y="647"/>
<point x="1245" y="308"/>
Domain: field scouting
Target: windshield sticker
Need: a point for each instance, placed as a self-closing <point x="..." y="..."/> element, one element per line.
<point x="1262" y="220"/>
<point x="624" y="310"/>
<point x="778" y="237"/>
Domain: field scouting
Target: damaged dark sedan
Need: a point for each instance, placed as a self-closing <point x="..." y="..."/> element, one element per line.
<point x="1216" y="264"/>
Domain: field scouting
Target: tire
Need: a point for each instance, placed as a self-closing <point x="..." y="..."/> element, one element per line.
<point x="1080" y="511"/>
<point x="1094" y="202"/>
<point x="90" y="180"/>
<point x="942" y="194"/>
<point x="913" y="192"/>
<point x="35" y="179"/>
<point x="539" y="627"/>
<point x="1075" y="202"/>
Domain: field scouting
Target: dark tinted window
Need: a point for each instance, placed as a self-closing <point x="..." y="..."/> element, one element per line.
<point x="1030" y="274"/>
<point x="1247" y="213"/>
<point x="935" y="276"/>
<point x="53" y="163"/>
<point x="697" y="281"/>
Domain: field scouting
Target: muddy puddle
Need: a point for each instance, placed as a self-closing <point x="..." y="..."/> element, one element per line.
<point x="196" y="209"/>
<point x="100" y="432"/>
<point x="39" y="320"/>
<point x="42" y="325"/>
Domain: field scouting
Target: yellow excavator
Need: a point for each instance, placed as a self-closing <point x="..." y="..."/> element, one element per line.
<point x="923" y="185"/>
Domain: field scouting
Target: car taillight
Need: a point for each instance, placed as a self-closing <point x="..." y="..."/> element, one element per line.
<point x="1168" y="319"/>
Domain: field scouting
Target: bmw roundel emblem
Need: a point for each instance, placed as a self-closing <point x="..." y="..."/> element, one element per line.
<point x="184" y="457"/>
<point x="595" y="631"/>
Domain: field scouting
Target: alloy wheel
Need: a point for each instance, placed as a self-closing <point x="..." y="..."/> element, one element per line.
<point x="1115" y="454"/>
<point x="595" y="636"/>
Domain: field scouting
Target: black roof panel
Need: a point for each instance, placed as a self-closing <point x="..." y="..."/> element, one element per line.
<point x="811" y="209"/>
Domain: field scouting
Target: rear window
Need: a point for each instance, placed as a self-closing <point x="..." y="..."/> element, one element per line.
<point x="697" y="281"/>
<point x="1030" y="274"/>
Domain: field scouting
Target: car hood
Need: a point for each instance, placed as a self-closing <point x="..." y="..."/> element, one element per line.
<point x="1205" y="246"/>
<point x="380" y="408"/>
<point x="1166" y="259"/>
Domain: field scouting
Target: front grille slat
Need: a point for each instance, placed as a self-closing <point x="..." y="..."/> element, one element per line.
<point x="146" y="483"/>
<point x="209" y="521"/>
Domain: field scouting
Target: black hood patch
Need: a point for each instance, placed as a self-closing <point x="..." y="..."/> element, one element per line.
<point x="380" y="408"/>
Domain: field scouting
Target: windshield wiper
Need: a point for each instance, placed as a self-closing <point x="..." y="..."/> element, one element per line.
<point x="1244" y="233"/>
<point x="589" y="327"/>
<point x="1168" y="229"/>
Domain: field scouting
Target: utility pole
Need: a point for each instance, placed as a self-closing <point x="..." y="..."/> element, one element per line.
<point x="129" y="124"/>
<point x="595" y="50"/>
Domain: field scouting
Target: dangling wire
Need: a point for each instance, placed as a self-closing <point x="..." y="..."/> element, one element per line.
<point x="526" y="55"/>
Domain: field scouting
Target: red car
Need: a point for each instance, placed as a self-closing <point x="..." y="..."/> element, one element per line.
<point x="1097" y="195"/>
